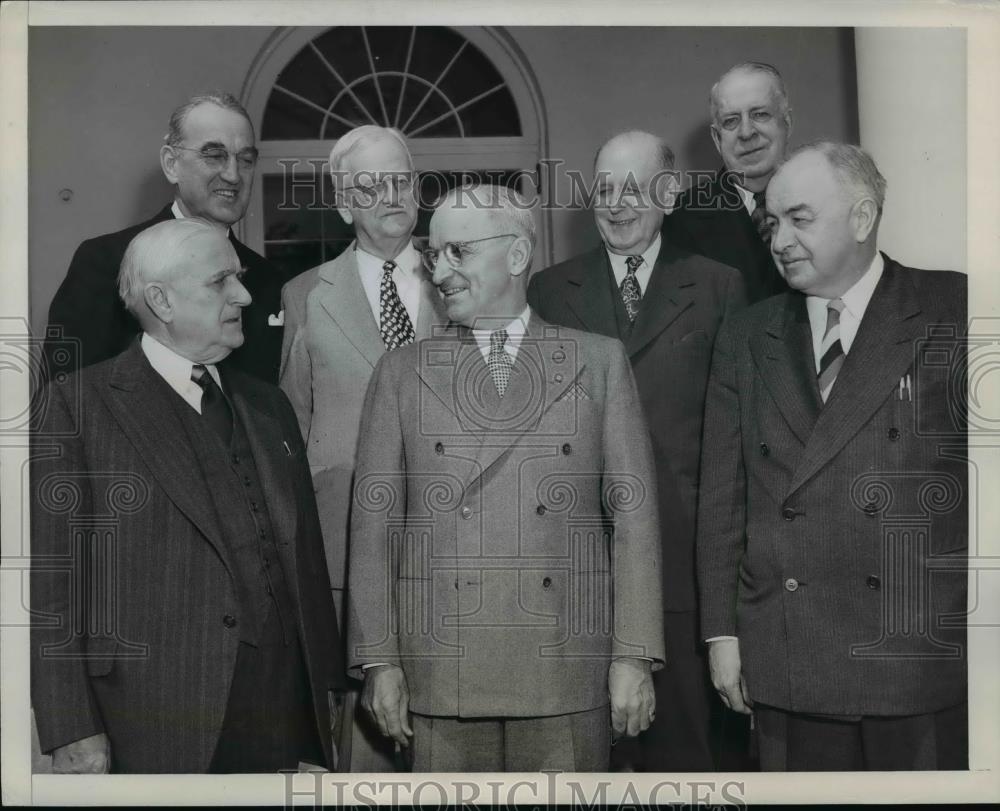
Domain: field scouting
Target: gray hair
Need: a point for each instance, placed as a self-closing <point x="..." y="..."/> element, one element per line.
<point x="506" y="207"/>
<point x="220" y="98"/>
<point x="751" y="67"/>
<point x="854" y="167"/>
<point x="664" y="153"/>
<point x="151" y="255"/>
<point x="359" y="136"/>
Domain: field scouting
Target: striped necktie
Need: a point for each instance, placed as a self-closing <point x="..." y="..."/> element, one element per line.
<point x="215" y="408"/>
<point x="395" y="326"/>
<point x="831" y="350"/>
<point x="630" y="291"/>
<point x="499" y="361"/>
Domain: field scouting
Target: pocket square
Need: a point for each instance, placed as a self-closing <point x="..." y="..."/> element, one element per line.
<point x="276" y="320"/>
<point x="574" y="392"/>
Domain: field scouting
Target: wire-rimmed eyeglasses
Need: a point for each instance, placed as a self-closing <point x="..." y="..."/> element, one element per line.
<point x="217" y="158"/>
<point x="454" y="252"/>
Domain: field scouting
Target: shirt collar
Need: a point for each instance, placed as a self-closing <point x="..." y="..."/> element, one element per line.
<point x="748" y="200"/>
<point x="175" y="209"/>
<point x="857" y="296"/>
<point x="649" y="256"/>
<point x="515" y="331"/>
<point x="174" y="368"/>
<point x="407" y="260"/>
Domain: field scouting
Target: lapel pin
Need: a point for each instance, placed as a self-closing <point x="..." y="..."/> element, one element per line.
<point x="288" y="450"/>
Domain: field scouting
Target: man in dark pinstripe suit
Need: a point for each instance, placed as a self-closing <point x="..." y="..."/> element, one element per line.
<point x="183" y="613"/>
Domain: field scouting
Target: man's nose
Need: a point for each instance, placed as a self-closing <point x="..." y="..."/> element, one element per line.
<point x="231" y="173"/>
<point x="781" y="236"/>
<point x="442" y="270"/>
<point x="746" y="129"/>
<point x="240" y="296"/>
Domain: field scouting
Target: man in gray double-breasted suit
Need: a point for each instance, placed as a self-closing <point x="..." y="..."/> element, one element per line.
<point x="340" y="318"/>
<point x="505" y="559"/>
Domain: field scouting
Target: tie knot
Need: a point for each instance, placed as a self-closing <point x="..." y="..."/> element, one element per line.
<point x="760" y="198"/>
<point x="632" y="263"/>
<point x="497" y="340"/>
<point x="201" y="375"/>
<point x="836" y="305"/>
<point x="388" y="268"/>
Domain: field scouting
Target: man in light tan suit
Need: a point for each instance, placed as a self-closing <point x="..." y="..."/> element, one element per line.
<point x="505" y="546"/>
<point x="340" y="318"/>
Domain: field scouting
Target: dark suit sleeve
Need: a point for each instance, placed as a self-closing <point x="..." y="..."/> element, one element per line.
<point x="65" y="710"/>
<point x="722" y="492"/>
<point x="630" y="493"/>
<point x="736" y="295"/>
<point x="379" y="490"/>
<point x="87" y="306"/>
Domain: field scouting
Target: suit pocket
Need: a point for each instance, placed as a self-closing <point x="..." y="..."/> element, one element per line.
<point x="696" y="336"/>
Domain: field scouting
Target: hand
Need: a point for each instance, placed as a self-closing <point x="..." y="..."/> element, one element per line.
<point x="86" y="756"/>
<point x="727" y="676"/>
<point x="387" y="699"/>
<point x="633" y="702"/>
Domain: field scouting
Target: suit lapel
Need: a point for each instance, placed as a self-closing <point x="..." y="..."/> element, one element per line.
<point x="137" y="397"/>
<point x="670" y="292"/>
<point x="589" y="294"/>
<point x="882" y="352"/>
<point x="343" y="297"/>
<point x="783" y="355"/>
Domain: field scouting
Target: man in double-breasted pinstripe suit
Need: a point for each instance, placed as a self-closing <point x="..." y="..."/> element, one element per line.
<point x="505" y="561"/>
<point x="832" y="523"/>
<point x="183" y="619"/>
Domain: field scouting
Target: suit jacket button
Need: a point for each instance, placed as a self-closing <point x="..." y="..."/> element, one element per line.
<point x="567" y="449"/>
<point x="540" y="509"/>
<point x="466" y="512"/>
<point x="546" y="582"/>
<point x="229" y="621"/>
<point x="439" y="448"/>
<point x="236" y="459"/>
<point x="873" y="582"/>
<point x="788" y="514"/>
<point x="893" y="434"/>
<point x="764" y="450"/>
<point x="558" y="378"/>
<point x="791" y="584"/>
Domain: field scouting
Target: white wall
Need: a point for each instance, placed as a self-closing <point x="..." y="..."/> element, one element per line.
<point x="99" y="99"/>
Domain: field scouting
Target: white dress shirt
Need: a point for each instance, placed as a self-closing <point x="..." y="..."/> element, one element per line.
<point x="407" y="275"/>
<point x="175" y="209"/>
<point x="855" y="303"/>
<point x="747" y="196"/>
<point x="619" y="265"/>
<point x="515" y="332"/>
<point x="176" y="370"/>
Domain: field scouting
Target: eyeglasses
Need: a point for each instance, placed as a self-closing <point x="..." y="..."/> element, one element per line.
<point x="217" y="159"/>
<point x="454" y="252"/>
<point x="398" y="182"/>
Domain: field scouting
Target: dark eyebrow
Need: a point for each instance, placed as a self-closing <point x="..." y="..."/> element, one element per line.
<point x="222" y="274"/>
<point x="800" y="208"/>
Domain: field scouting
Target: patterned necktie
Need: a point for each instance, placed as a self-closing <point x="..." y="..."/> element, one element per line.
<point x="630" y="291"/>
<point x="759" y="216"/>
<point x="214" y="405"/>
<point x="831" y="350"/>
<point x="394" y="323"/>
<point x="499" y="361"/>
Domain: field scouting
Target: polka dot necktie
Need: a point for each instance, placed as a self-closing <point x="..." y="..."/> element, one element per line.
<point x="630" y="291"/>
<point x="759" y="216"/>
<point x="831" y="351"/>
<point x="214" y="406"/>
<point x="499" y="361"/>
<point x="394" y="323"/>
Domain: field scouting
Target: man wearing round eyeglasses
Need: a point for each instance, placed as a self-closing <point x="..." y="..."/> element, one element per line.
<point x="210" y="158"/>
<point x="504" y="563"/>
<point x="340" y="318"/>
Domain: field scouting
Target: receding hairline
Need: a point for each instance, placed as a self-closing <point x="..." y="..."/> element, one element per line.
<point x="778" y="89"/>
<point x="658" y="146"/>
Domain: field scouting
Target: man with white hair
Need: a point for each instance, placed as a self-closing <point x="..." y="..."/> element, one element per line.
<point x="724" y="217"/>
<point x="340" y="318"/>
<point x="184" y="620"/>
<point x="832" y="514"/>
<point x="505" y="561"/>
<point x="209" y="156"/>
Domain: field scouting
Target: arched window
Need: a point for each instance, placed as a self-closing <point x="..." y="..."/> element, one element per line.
<point x="464" y="98"/>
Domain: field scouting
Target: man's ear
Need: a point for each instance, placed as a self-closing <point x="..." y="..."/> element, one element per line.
<point x="168" y="163"/>
<point x="345" y="215"/>
<point x="716" y="137"/>
<point x="519" y="256"/>
<point x="157" y="298"/>
<point x="667" y="190"/>
<point x="864" y="215"/>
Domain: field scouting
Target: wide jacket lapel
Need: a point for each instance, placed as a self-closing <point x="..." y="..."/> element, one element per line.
<point x="670" y="292"/>
<point x="138" y="398"/>
<point x="882" y="352"/>
<point x="783" y="355"/>
<point x="342" y="296"/>
<point x="589" y="291"/>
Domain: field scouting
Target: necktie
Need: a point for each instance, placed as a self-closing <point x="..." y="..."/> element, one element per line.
<point x="499" y="361"/>
<point x="759" y="216"/>
<point x="214" y="405"/>
<point x="630" y="291"/>
<point x="394" y="323"/>
<point x="831" y="351"/>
